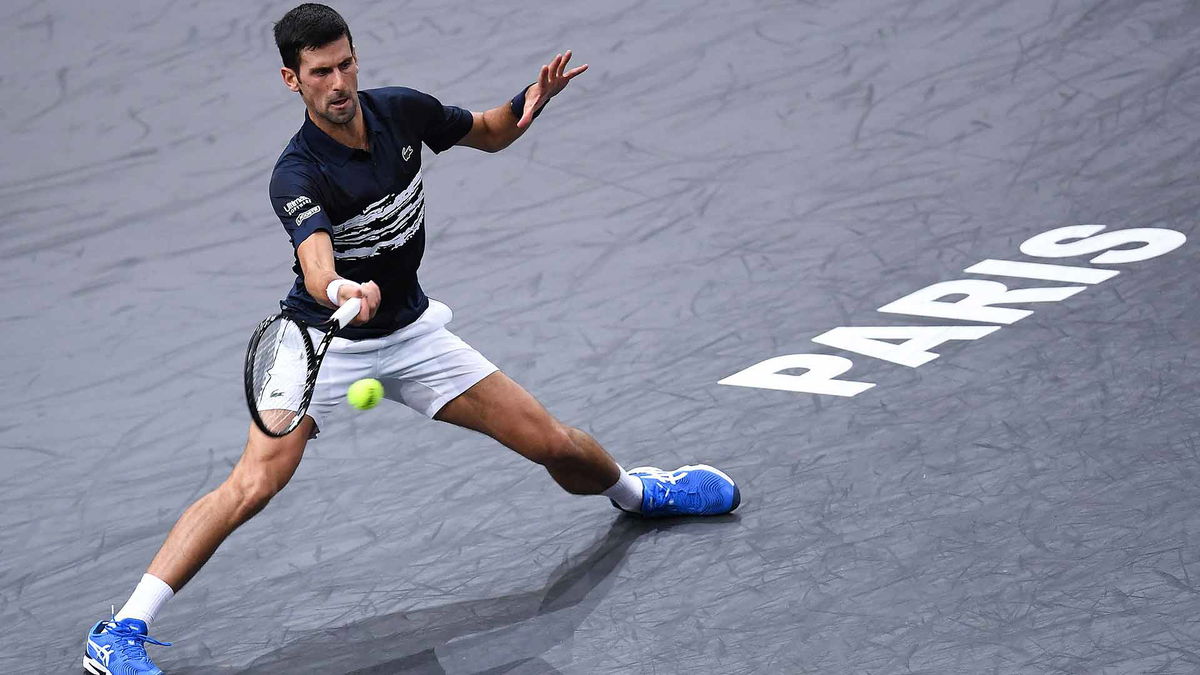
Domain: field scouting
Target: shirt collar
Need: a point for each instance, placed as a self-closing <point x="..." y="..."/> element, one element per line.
<point x="326" y="147"/>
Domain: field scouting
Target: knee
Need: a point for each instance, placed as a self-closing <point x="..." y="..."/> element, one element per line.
<point x="555" y="446"/>
<point x="252" y="492"/>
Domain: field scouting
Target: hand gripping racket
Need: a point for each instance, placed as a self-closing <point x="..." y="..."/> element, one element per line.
<point x="282" y="365"/>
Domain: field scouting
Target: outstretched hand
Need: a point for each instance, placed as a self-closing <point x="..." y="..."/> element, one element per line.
<point x="553" y="79"/>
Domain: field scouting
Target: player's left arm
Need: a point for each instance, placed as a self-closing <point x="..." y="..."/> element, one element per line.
<point x="497" y="128"/>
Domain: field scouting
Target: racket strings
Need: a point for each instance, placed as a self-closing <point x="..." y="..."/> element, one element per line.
<point x="279" y="373"/>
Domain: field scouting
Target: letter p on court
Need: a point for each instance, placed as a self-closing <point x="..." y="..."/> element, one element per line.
<point x="820" y="376"/>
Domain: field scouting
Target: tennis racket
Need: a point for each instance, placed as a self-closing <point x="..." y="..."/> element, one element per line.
<point x="282" y="365"/>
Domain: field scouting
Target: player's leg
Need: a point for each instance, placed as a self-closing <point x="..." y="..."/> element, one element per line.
<point x="266" y="466"/>
<point x="264" y="469"/>
<point x="434" y="372"/>
<point x="501" y="408"/>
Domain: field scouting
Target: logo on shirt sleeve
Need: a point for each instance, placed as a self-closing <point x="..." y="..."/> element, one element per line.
<point x="307" y="214"/>
<point x="407" y="152"/>
<point x="296" y="204"/>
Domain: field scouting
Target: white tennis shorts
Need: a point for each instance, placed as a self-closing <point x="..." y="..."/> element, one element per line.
<point x="422" y="365"/>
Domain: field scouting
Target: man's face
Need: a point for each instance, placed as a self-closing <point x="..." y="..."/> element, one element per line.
<point x="327" y="81"/>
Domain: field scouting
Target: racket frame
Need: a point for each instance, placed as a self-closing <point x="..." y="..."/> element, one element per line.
<point x="313" y="355"/>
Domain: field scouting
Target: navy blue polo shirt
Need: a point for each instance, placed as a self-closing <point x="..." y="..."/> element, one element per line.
<point x="371" y="203"/>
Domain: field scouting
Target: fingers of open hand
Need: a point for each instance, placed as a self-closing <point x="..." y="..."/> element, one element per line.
<point x="562" y="64"/>
<point x="574" y="71"/>
<point x="552" y="78"/>
<point x="558" y="75"/>
<point x="553" y="70"/>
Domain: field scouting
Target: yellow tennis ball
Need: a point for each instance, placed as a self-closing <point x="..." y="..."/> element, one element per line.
<point x="365" y="393"/>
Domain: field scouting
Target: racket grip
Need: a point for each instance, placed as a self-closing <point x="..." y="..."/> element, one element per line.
<point x="347" y="312"/>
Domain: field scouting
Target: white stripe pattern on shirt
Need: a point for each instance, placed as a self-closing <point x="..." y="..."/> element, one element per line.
<point x="384" y="225"/>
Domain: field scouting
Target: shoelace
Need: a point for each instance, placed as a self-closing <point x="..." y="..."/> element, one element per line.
<point x="661" y="494"/>
<point x="671" y="477"/>
<point x="131" y="643"/>
<point x="664" y="484"/>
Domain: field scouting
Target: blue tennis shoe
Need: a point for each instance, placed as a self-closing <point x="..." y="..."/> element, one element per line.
<point x="119" y="648"/>
<point x="692" y="490"/>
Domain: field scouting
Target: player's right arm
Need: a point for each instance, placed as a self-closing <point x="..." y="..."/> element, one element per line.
<point x="295" y="200"/>
<point x="315" y="254"/>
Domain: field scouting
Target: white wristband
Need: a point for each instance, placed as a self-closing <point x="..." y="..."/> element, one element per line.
<point x="331" y="291"/>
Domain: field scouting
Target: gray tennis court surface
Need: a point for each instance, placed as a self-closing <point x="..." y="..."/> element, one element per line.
<point x="728" y="181"/>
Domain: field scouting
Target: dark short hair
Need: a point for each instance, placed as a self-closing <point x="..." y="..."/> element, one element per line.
<point x="309" y="26"/>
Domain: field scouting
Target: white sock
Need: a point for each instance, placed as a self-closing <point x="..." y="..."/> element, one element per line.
<point x="149" y="597"/>
<point x="626" y="492"/>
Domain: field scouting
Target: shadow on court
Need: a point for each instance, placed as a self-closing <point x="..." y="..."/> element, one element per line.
<point x="490" y="635"/>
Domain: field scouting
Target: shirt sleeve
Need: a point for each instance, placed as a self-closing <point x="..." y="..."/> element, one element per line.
<point x="440" y="126"/>
<point x="296" y="204"/>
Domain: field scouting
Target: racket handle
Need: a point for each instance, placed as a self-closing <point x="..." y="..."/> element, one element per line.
<point x="347" y="312"/>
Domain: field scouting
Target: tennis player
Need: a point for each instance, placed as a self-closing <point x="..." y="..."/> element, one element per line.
<point x="348" y="190"/>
